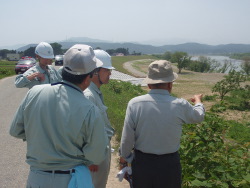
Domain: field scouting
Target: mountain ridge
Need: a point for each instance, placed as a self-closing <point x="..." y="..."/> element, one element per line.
<point x="189" y="47"/>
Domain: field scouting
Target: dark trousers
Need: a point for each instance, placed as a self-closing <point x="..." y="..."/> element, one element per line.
<point x="156" y="171"/>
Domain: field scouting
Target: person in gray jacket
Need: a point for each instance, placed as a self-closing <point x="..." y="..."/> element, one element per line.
<point x="152" y="130"/>
<point x="62" y="128"/>
<point x="43" y="72"/>
<point x="100" y="172"/>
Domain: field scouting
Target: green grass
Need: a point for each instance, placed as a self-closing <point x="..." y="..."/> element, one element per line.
<point x="7" y="68"/>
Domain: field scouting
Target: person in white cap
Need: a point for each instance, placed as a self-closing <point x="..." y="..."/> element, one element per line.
<point x="64" y="131"/>
<point x="101" y="76"/>
<point x="43" y="72"/>
<point x="153" y="127"/>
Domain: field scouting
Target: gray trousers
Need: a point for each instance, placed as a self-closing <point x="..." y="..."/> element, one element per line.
<point x="100" y="177"/>
<point x="40" y="179"/>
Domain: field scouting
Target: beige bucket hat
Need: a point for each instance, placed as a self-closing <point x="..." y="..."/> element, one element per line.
<point x="160" y="71"/>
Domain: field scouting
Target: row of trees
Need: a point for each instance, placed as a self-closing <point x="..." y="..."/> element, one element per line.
<point x="58" y="50"/>
<point x="203" y="64"/>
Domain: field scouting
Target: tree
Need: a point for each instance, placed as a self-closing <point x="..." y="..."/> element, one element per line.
<point x="167" y="56"/>
<point x="122" y="50"/>
<point x="57" y="48"/>
<point x="30" y="52"/>
<point x="246" y="65"/>
<point x="181" y="58"/>
<point x="110" y="51"/>
<point x="4" y="52"/>
<point x="203" y="64"/>
<point x="231" y="82"/>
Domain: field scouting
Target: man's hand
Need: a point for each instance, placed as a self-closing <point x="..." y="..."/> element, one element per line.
<point x="197" y="98"/>
<point x="39" y="76"/>
<point x="122" y="163"/>
<point x="93" y="168"/>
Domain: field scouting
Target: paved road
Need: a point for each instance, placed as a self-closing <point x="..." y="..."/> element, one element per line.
<point x="13" y="169"/>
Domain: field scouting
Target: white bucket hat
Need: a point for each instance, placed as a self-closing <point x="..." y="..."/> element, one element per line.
<point x="160" y="71"/>
<point x="80" y="59"/>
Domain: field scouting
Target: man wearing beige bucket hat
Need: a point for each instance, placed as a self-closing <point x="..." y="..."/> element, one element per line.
<point x="153" y="127"/>
<point x="64" y="131"/>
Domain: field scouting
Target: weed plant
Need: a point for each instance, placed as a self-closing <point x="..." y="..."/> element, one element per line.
<point x="6" y="71"/>
<point x="7" y="68"/>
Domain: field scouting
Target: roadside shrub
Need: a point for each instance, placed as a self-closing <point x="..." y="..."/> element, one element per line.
<point x="210" y="97"/>
<point x="239" y="99"/>
<point x="6" y="71"/>
<point x="219" y="107"/>
<point x="239" y="132"/>
<point x="209" y="160"/>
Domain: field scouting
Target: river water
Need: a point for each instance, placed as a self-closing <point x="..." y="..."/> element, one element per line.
<point x="236" y="64"/>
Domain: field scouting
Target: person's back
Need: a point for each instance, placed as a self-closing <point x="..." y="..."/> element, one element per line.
<point x="160" y="116"/>
<point x="66" y="138"/>
<point x="63" y="130"/>
<point x="152" y="130"/>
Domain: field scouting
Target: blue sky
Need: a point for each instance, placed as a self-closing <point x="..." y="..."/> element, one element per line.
<point x="145" y="21"/>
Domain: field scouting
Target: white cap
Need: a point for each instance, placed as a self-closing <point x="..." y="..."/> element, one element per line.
<point x="80" y="59"/>
<point x="44" y="50"/>
<point x="105" y="58"/>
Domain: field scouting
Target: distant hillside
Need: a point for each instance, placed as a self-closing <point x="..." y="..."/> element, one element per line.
<point x="190" y="48"/>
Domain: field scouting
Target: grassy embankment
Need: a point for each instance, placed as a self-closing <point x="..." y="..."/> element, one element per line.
<point x="7" y="68"/>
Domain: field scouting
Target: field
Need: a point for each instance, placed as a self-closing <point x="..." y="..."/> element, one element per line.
<point x="7" y="68"/>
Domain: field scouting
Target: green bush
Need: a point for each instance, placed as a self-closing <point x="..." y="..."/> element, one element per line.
<point x="239" y="132"/>
<point x="210" y="97"/>
<point x="209" y="159"/>
<point x="6" y="71"/>
<point x="219" y="107"/>
<point x="239" y="99"/>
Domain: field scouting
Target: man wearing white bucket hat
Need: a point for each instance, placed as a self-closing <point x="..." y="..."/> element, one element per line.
<point x="100" y="172"/>
<point x="153" y="127"/>
<point x="63" y="129"/>
<point x="43" y="72"/>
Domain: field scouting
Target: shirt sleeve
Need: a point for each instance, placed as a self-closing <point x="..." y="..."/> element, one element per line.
<point x="22" y="80"/>
<point x="128" y="136"/>
<point x="192" y="114"/>
<point x="95" y="149"/>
